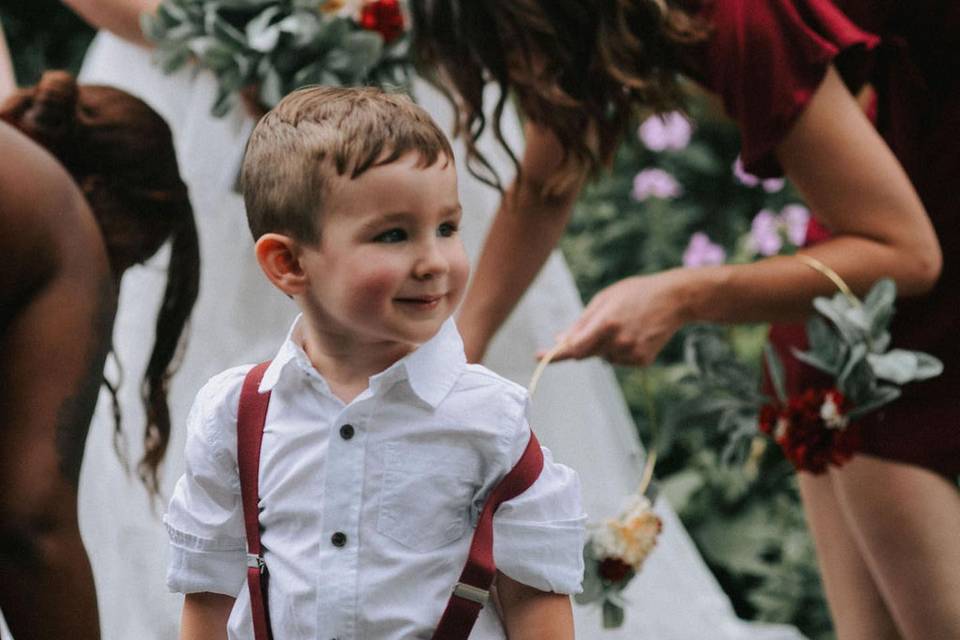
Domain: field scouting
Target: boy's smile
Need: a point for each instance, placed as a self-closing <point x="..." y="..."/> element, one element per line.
<point x="390" y="265"/>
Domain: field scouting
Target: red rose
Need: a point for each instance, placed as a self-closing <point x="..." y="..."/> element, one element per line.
<point x="614" y="570"/>
<point x="383" y="16"/>
<point x="816" y="432"/>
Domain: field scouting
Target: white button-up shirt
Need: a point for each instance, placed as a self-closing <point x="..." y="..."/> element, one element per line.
<point x="367" y="509"/>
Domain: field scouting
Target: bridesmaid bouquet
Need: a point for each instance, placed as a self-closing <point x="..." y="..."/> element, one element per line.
<point x="849" y="341"/>
<point x="614" y="554"/>
<point x="264" y="49"/>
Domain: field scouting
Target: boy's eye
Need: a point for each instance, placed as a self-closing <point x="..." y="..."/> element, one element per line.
<point x="393" y="235"/>
<point x="446" y="229"/>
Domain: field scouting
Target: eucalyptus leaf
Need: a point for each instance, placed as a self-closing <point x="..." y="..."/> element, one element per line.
<point x="303" y="26"/>
<point x="271" y="88"/>
<point x="835" y="310"/>
<point x="882" y="296"/>
<point x="879" y="396"/>
<point x="898" y="366"/>
<point x="928" y="366"/>
<point x="814" y="360"/>
<point x="857" y="354"/>
<point x="261" y="34"/>
<point x="775" y="370"/>
<point x="823" y="340"/>
<point x="613" y="615"/>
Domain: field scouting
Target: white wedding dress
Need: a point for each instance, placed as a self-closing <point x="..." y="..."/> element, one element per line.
<point x="578" y="411"/>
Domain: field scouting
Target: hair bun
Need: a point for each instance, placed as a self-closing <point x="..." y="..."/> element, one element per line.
<point x="51" y="117"/>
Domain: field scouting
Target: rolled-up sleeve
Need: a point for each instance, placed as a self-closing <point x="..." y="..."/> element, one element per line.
<point x="539" y="535"/>
<point x="205" y="519"/>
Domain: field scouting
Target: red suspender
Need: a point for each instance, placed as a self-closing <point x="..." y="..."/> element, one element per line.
<point x="473" y="589"/>
<point x="469" y="595"/>
<point x="251" y="418"/>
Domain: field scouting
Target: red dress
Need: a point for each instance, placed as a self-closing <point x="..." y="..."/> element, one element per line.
<point x="765" y="58"/>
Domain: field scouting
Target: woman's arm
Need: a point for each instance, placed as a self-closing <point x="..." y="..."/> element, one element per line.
<point x="850" y="178"/>
<point x="121" y="17"/>
<point x="531" y="614"/>
<point x="205" y="616"/>
<point x="526" y="229"/>
<point x="8" y="80"/>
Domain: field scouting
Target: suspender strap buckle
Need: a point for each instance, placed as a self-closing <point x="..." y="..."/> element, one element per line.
<point x="472" y="593"/>
<point x="255" y="561"/>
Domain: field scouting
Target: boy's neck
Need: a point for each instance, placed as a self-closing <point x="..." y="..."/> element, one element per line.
<point x="347" y="364"/>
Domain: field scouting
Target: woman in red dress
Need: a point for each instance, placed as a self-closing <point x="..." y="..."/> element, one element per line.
<point x="787" y="71"/>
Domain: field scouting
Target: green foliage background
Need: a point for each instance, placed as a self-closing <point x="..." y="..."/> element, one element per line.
<point x="747" y="522"/>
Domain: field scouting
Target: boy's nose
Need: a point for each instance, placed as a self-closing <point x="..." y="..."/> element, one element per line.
<point x="431" y="262"/>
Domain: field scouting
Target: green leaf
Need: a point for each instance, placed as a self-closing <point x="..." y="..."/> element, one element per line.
<point x="815" y="361"/>
<point x="851" y="371"/>
<point x="898" y="366"/>
<point x="928" y="366"/>
<point x="261" y="35"/>
<point x="878" y="397"/>
<point x="775" y="370"/>
<point x="613" y="615"/>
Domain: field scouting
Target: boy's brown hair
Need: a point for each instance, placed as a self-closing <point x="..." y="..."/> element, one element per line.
<point x="317" y="133"/>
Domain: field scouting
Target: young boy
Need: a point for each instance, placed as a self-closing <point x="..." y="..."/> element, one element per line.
<point x="381" y="444"/>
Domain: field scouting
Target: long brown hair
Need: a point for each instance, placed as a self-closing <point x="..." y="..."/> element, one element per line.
<point x="578" y="67"/>
<point x="120" y="153"/>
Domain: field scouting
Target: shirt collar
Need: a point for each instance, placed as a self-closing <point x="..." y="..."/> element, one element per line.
<point x="431" y="369"/>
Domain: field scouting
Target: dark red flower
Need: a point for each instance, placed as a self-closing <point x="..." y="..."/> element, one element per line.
<point x="614" y="570"/>
<point x="812" y="430"/>
<point x="383" y="16"/>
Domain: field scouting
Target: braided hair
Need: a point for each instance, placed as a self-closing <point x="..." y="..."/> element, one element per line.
<point x="121" y="154"/>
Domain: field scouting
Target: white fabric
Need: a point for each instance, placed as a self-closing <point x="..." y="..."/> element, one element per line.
<point x="578" y="411"/>
<point x="431" y="437"/>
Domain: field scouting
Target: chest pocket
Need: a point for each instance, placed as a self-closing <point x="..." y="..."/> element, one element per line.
<point x="426" y="496"/>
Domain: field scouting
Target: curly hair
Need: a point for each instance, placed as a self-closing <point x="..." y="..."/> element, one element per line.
<point x="580" y="68"/>
<point x="120" y="153"/>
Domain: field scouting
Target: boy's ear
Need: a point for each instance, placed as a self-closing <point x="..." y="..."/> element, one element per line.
<point x="279" y="257"/>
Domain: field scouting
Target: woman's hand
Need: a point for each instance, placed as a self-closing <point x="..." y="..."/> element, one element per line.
<point x="629" y="321"/>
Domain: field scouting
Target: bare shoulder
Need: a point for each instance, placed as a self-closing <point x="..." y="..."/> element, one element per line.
<point x="46" y="226"/>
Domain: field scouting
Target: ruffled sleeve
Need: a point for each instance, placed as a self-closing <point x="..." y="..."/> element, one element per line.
<point x="205" y="520"/>
<point x="766" y="58"/>
<point x="539" y="535"/>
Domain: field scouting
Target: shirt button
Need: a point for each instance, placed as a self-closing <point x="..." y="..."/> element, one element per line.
<point x="339" y="539"/>
<point x="347" y="431"/>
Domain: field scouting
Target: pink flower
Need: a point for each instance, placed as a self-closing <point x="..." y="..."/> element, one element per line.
<point x="669" y="131"/>
<point x="773" y="185"/>
<point x="700" y="252"/>
<point x="770" y="185"/>
<point x="746" y="179"/>
<point x="765" y="233"/>
<point x="795" y="218"/>
<point x="655" y="182"/>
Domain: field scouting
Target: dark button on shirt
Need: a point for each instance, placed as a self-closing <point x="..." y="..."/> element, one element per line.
<point x="347" y="431"/>
<point x="338" y="539"/>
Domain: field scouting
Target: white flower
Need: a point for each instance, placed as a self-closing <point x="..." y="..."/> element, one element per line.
<point x="632" y="536"/>
<point x="780" y="431"/>
<point x="830" y="413"/>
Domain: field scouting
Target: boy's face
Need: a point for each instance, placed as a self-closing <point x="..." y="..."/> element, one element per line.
<point x="390" y="265"/>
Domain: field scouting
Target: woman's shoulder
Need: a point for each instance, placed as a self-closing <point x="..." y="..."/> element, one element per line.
<point x="47" y="230"/>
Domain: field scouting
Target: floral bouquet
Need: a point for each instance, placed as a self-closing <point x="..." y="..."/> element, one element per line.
<point x="848" y="340"/>
<point x="614" y="553"/>
<point x="264" y="49"/>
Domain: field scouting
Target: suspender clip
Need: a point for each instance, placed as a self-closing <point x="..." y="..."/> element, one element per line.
<point x="471" y="593"/>
<point x="255" y="561"/>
